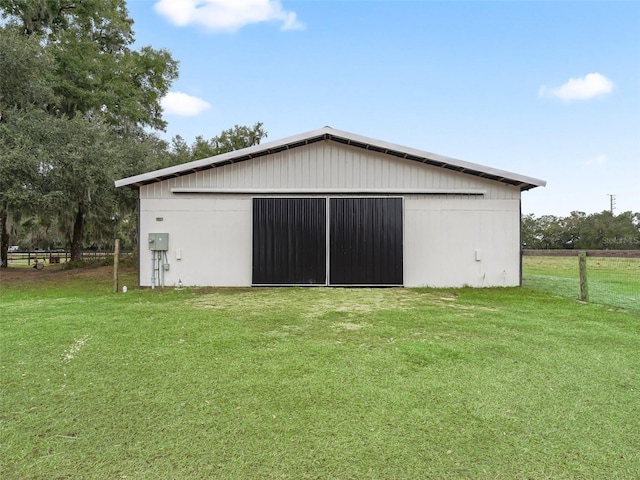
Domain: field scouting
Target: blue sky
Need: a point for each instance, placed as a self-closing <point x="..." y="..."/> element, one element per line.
<point x="548" y="89"/>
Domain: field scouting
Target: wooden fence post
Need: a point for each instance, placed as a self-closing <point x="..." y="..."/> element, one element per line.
<point x="582" y="263"/>
<point x="116" y="263"/>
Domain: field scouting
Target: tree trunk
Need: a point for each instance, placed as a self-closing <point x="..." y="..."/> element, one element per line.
<point x="78" y="233"/>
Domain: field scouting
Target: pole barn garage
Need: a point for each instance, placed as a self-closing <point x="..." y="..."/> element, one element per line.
<point x="331" y="208"/>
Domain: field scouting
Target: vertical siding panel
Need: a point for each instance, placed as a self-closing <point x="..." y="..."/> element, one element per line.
<point x="281" y="171"/>
<point x="289" y="241"/>
<point x="360" y="168"/>
<point x="341" y="166"/>
<point x="250" y="177"/>
<point x="297" y="172"/>
<point x="265" y="170"/>
<point x="352" y="168"/>
<point x="331" y="165"/>
<point x="436" y="179"/>
<point x="257" y="171"/>
<point x="407" y="174"/>
<point x="371" y="172"/>
<point x="366" y="241"/>
<point x="389" y="178"/>
<point x="345" y="167"/>
<point x="229" y="175"/>
<point x="335" y="166"/>
<point x="306" y="172"/>
<point x="278" y="167"/>
<point x="388" y="181"/>
<point x="318" y="181"/>
<point x="415" y="173"/>
<point x="241" y="174"/>
<point x="327" y="164"/>
<point x="274" y="164"/>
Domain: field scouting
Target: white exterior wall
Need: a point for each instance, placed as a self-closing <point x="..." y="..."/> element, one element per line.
<point x="326" y="165"/>
<point x="442" y="237"/>
<point x="212" y="235"/>
<point x="213" y="231"/>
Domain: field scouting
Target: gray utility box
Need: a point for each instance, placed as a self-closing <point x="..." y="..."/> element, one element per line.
<point x="159" y="241"/>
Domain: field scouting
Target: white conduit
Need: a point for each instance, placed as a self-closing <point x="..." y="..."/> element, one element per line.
<point x="153" y="269"/>
<point x="157" y="267"/>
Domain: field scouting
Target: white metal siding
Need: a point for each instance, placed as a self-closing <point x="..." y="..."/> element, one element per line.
<point x="213" y="235"/>
<point x="442" y="233"/>
<point x="326" y="165"/>
<point x="442" y="237"/>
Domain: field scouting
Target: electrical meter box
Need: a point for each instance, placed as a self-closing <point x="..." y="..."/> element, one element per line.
<point x="159" y="241"/>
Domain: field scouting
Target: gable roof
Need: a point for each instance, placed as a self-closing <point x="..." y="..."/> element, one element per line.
<point x="338" y="136"/>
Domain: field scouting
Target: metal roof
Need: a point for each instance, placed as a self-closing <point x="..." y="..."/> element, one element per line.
<point x="338" y="136"/>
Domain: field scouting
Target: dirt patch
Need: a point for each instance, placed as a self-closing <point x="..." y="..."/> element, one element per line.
<point x="56" y="274"/>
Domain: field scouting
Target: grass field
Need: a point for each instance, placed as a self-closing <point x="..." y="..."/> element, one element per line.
<point x="319" y="383"/>
<point x="610" y="281"/>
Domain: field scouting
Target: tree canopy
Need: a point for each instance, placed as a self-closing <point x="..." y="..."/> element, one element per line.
<point x="235" y="138"/>
<point x="74" y="96"/>
<point x="581" y="231"/>
<point x="64" y="140"/>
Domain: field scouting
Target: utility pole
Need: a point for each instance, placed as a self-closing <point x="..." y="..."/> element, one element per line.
<point x="612" y="201"/>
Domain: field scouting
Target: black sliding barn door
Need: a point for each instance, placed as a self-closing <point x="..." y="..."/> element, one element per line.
<point x="289" y="241"/>
<point x="365" y="241"/>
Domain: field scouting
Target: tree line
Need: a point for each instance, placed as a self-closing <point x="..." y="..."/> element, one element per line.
<point x="79" y="108"/>
<point x="597" y="231"/>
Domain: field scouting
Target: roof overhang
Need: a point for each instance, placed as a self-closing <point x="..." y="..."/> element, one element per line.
<point x="329" y="134"/>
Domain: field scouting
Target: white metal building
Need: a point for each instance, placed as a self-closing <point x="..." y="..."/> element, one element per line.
<point x="328" y="207"/>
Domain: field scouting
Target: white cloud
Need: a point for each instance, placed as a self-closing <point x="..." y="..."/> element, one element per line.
<point x="599" y="160"/>
<point x="226" y="15"/>
<point x="178" y="103"/>
<point x="584" y="88"/>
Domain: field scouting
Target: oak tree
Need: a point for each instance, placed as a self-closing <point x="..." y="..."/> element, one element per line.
<point x="104" y="92"/>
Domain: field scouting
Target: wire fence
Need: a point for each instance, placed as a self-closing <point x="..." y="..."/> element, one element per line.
<point x="603" y="276"/>
<point x="28" y="259"/>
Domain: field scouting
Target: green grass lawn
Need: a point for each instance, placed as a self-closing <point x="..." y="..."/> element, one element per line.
<point x="313" y="383"/>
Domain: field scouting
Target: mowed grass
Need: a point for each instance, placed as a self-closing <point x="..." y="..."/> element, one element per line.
<point x="314" y="383"/>
<point x="610" y="281"/>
